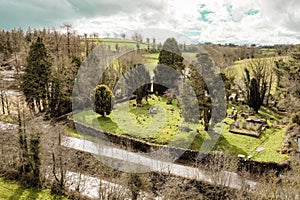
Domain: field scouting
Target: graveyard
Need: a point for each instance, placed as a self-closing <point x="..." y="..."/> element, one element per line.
<point x="256" y="135"/>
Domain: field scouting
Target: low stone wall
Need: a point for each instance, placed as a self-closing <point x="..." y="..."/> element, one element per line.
<point x="259" y="168"/>
<point x="186" y="156"/>
<point x="134" y="144"/>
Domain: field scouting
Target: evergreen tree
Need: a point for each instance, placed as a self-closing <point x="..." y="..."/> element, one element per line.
<point x="101" y="100"/>
<point x="170" y="55"/>
<point x="165" y="78"/>
<point x="257" y="85"/>
<point x="254" y="95"/>
<point x="36" y="79"/>
<point x="137" y="81"/>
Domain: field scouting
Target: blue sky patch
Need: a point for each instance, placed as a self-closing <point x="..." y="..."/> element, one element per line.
<point x="252" y="12"/>
<point x="204" y="14"/>
<point x="192" y="33"/>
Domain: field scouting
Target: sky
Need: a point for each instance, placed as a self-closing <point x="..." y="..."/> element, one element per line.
<point x="217" y="21"/>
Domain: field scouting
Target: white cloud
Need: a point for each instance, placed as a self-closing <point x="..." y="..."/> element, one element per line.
<point x="238" y="21"/>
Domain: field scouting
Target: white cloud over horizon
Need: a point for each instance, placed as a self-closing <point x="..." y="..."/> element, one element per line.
<point x="217" y="21"/>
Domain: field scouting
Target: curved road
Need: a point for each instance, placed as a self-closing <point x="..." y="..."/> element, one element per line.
<point x="103" y="151"/>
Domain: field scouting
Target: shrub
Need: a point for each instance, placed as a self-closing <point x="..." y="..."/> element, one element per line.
<point x="101" y="100"/>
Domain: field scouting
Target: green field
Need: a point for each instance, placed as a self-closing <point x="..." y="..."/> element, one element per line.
<point x="12" y="191"/>
<point x="126" y="119"/>
<point x="112" y="42"/>
<point x="237" y="69"/>
<point x="271" y="140"/>
<point x="163" y="129"/>
<point x="268" y="51"/>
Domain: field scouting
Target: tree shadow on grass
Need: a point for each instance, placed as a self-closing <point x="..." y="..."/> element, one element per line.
<point x="224" y="146"/>
<point x="105" y="124"/>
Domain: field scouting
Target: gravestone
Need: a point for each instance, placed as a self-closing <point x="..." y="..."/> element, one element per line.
<point x="251" y="126"/>
<point x="237" y="124"/>
<point x="153" y="111"/>
<point x="257" y="127"/>
<point x="244" y="125"/>
<point x="276" y="124"/>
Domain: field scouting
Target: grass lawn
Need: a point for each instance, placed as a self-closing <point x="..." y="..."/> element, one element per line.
<point x="162" y="129"/>
<point x="235" y="144"/>
<point x="12" y="191"/>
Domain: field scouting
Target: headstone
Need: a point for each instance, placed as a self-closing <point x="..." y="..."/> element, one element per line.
<point x="257" y="127"/>
<point x="153" y="111"/>
<point x="251" y="126"/>
<point x="244" y="125"/>
<point x="259" y="149"/>
<point x="237" y="123"/>
<point x="241" y="156"/>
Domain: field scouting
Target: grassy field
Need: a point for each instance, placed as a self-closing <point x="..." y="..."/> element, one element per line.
<point x="235" y="144"/>
<point x="126" y="119"/>
<point x="12" y="191"/>
<point x="112" y="42"/>
<point x="268" y="51"/>
<point x="237" y="69"/>
<point x="162" y="128"/>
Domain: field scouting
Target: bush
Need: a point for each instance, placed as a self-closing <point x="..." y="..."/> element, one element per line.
<point x="101" y="100"/>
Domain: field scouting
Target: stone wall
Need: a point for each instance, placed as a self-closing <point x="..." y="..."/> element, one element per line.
<point x="189" y="157"/>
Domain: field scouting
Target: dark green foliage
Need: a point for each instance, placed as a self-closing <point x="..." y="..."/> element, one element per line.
<point x="36" y="79"/>
<point x="197" y="82"/>
<point x="254" y="97"/>
<point x="165" y="78"/>
<point x="256" y="88"/>
<point x="62" y="85"/>
<point x="170" y="55"/>
<point x="188" y="103"/>
<point x="214" y="101"/>
<point x="228" y="83"/>
<point x="137" y="82"/>
<point x="101" y="100"/>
